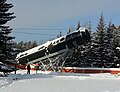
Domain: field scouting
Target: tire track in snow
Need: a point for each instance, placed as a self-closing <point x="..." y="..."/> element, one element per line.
<point x="5" y="82"/>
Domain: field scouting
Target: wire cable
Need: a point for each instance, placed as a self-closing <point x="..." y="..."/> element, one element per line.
<point x="40" y="28"/>
<point x="33" y="33"/>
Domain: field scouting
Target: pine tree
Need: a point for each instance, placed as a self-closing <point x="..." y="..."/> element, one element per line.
<point x="116" y="34"/>
<point x="60" y="34"/>
<point x="20" y="46"/>
<point x="98" y="44"/>
<point x="34" y="44"/>
<point x="102" y="48"/>
<point x="6" y="50"/>
<point x="89" y="26"/>
<point x="69" y="31"/>
<point x="78" y="26"/>
<point x="115" y="37"/>
<point x="109" y="47"/>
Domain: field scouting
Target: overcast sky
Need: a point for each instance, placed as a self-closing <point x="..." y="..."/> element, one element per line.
<point x="59" y="14"/>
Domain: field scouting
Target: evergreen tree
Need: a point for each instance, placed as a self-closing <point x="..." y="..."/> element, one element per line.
<point x="69" y="31"/>
<point x="116" y="34"/>
<point x="6" y="50"/>
<point x="103" y="49"/>
<point x="98" y="44"/>
<point x="109" y="47"/>
<point x="29" y="45"/>
<point x="34" y="44"/>
<point x="78" y="26"/>
<point x="89" y="26"/>
<point x="116" y="43"/>
<point x="60" y="34"/>
<point x="20" y="46"/>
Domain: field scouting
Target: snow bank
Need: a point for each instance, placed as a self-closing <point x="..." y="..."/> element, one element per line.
<point x="59" y="82"/>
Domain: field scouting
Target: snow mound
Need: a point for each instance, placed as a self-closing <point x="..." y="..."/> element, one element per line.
<point x="59" y="82"/>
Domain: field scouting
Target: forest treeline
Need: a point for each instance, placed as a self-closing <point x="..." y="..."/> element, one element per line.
<point x="23" y="46"/>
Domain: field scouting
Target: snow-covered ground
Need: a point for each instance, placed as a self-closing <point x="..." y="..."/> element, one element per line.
<point x="59" y="82"/>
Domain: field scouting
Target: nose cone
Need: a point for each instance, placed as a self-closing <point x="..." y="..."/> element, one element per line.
<point x="87" y="35"/>
<point x="77" y="38"/>
<point x="84" y="36"/>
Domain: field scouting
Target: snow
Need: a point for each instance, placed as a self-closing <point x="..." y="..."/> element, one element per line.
<point x="59" y="82"/>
